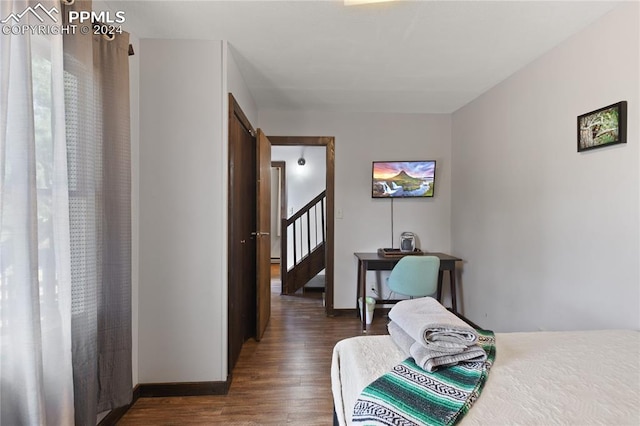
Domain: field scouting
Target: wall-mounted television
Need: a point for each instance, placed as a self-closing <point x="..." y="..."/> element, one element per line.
<point x="403" y="179"/>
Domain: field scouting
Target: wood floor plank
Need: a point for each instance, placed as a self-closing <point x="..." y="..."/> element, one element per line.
<point x="283" y="379"/>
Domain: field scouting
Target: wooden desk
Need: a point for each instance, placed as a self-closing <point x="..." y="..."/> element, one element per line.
<point x="376" y="262"/>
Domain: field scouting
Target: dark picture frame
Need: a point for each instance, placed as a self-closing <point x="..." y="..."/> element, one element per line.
<point x="603" y="127"/>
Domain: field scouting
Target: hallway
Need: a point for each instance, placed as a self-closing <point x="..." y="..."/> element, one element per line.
<point x="284" y="379"/>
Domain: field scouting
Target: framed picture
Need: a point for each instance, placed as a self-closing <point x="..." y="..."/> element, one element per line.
<point x="603" y="127"/>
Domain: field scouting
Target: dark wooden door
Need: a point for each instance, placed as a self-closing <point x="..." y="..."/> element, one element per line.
<point x="242" y="224"/>
<point x="263" y="235"/>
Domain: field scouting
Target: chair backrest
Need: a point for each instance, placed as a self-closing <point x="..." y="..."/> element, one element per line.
<point x="415" y="276"/>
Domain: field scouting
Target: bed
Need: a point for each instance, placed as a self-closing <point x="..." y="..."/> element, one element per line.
<point x="538" y="378"/>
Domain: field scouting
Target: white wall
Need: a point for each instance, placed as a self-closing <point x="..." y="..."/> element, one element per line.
<point x="182" y="304"/>
<point x="360" y="139"/>
<point x="304" y="183"/>
<point x="550" y="236"/>
<point x="237" y="86"/>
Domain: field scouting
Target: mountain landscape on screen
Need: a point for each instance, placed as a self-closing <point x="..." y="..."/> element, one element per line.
<point x="403" y="179"/>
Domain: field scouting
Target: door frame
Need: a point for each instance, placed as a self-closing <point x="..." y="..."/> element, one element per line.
<point x="329" y="143"/>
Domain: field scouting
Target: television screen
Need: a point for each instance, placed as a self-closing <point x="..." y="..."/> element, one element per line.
<point x="403" y="179"/>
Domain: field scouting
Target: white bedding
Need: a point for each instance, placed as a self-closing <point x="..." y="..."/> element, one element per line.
<point x="541" y="378"/>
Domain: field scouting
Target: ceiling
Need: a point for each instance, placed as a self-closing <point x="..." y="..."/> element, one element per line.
<point x="419" y="56"/>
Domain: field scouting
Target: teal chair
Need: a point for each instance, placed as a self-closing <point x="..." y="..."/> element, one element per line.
<point x="415" y="276"/>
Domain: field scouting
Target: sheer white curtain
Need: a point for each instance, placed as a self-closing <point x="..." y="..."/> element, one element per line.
<point x="36" y="384"/>
<point x="65" y="222"/>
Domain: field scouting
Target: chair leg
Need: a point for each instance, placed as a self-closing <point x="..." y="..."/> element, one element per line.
<point x="439" y="292"/>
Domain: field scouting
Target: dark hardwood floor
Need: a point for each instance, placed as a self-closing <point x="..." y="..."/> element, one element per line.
<point x="284" y="379"/>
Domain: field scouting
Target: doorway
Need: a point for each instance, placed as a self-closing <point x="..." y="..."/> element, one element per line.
<point x="246" y="313"/>
<point x="328" y="143"/>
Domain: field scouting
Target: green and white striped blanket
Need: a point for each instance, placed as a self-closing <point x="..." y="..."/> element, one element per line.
<point x="409" y="395"/>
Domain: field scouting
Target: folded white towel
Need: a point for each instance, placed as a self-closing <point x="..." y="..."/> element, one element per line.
<point x="430" y="324"/>
<point x="430" y="359"/>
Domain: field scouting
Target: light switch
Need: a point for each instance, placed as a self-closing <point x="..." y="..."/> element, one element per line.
<point x="338" y="213"/>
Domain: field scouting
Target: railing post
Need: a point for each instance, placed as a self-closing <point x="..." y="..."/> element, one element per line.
<point x="284" y="261"/>
<point x="295" y="257"/>
<point x="322" y="208"/>
<point x="308" y="232"/>
<point x="315" y="224"/>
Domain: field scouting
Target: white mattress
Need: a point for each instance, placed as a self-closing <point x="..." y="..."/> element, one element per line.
<point x="541" y="378"/>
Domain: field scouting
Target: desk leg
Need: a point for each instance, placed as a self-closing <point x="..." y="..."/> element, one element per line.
<point x="439" y="292"/>
<point x="452" y="281"/>
<point x="362" y="276"/>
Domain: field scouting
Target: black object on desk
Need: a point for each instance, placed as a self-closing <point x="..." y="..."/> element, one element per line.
<point x="394" y="252"/>
<point x="385" y="262"/>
